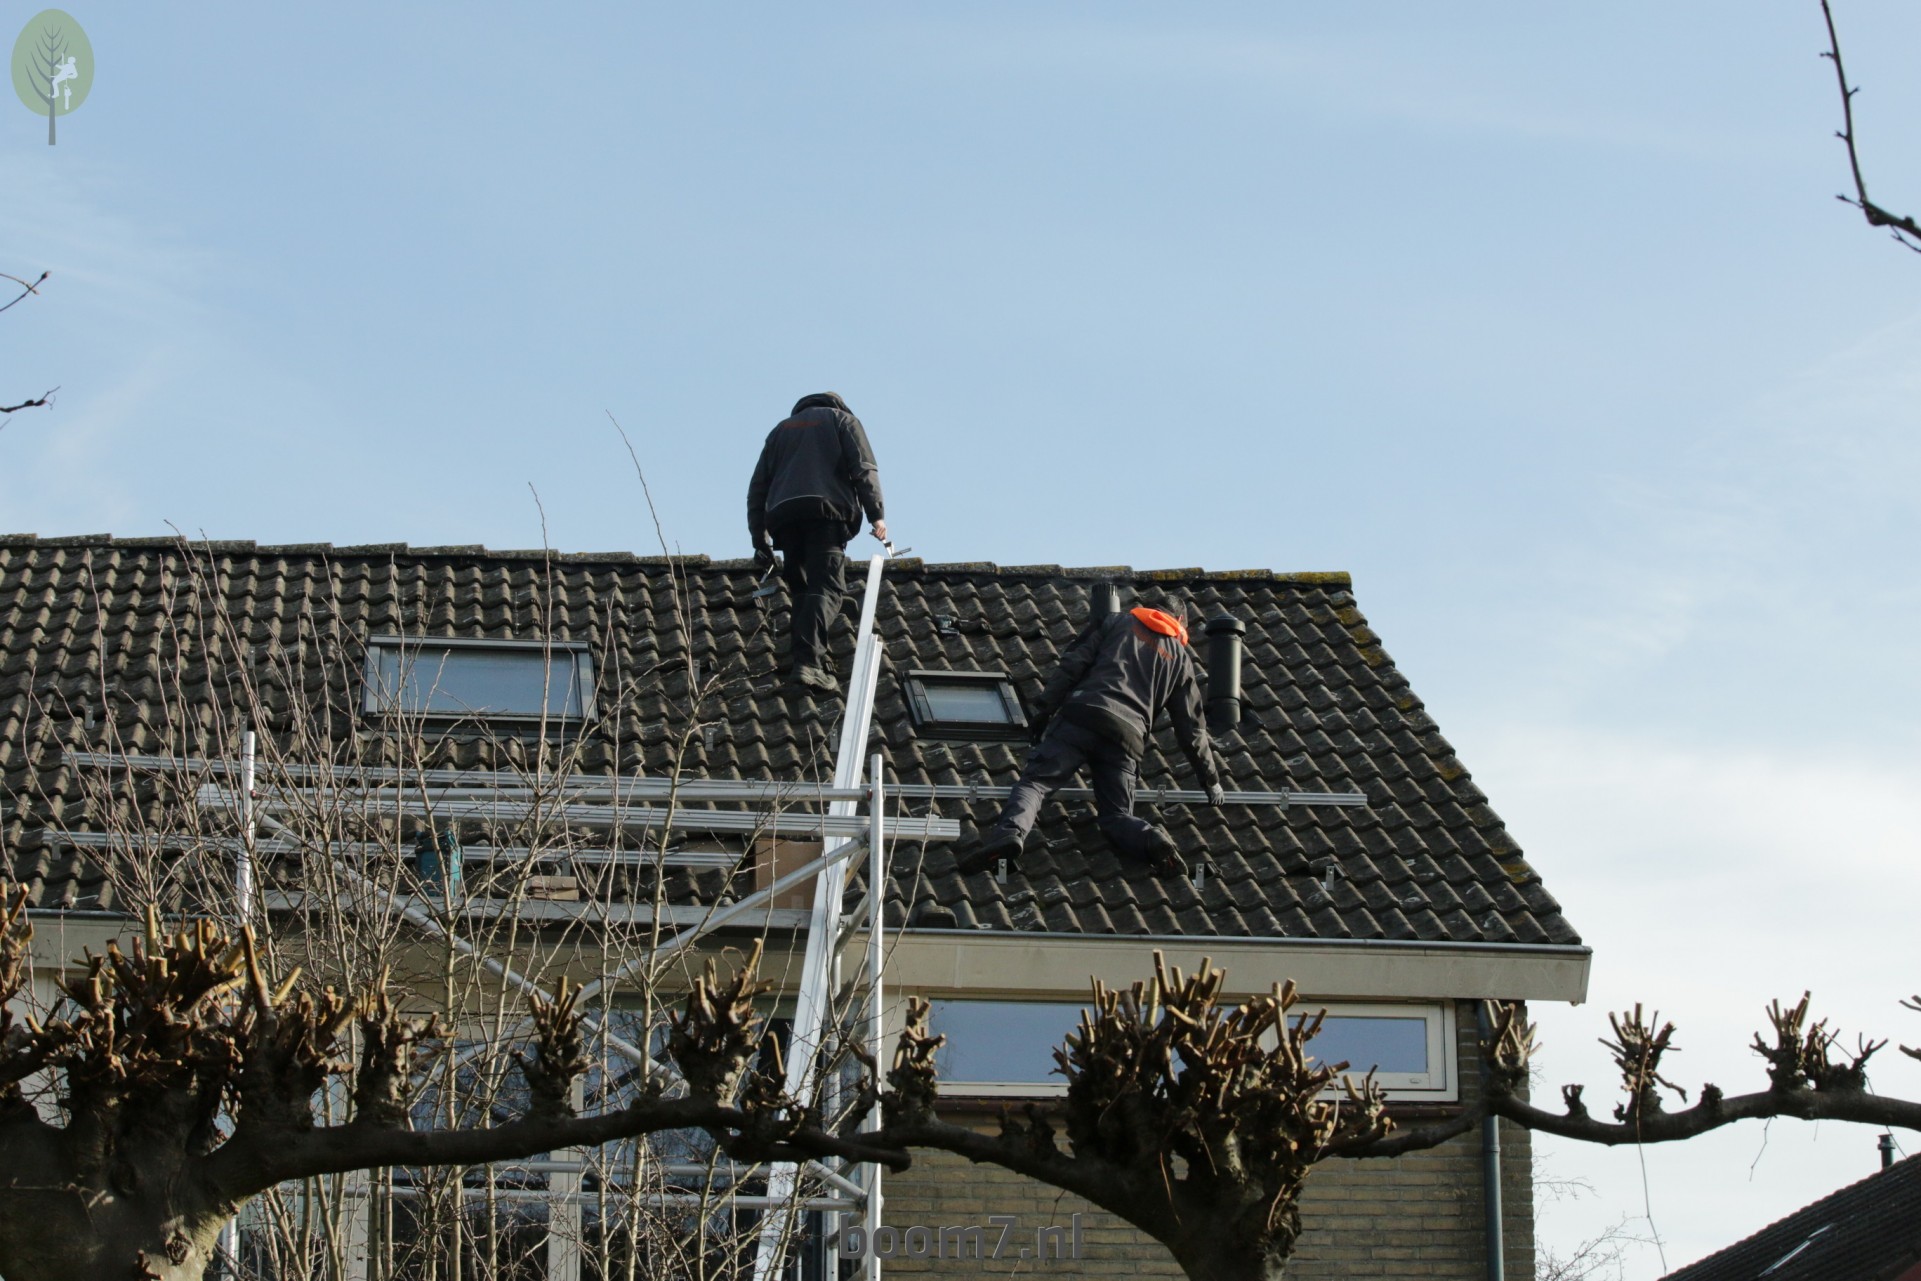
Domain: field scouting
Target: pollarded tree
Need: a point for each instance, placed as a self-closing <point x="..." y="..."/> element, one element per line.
<point x="1201" y="1123"/>
<point x="1196" y="1121"/>
<point x="133" y="1174"/>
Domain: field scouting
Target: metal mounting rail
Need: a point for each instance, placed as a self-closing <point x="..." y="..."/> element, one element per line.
<point x="502" y="783"/>
<point x="509" y="786"/>
<point x="791" y="823"/>
<point x="1142" y="795"/>
<point x="722" y="859"/>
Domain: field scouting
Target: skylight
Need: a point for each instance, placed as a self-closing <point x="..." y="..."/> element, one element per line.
<point x="964" y="705"/>
<point x="491" y="680"/>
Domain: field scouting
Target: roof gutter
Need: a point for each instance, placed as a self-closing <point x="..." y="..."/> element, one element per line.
<point x="1027" y="964"/>
<point x="1270" y="940"/>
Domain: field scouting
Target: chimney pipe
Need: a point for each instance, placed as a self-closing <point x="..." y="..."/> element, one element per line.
<point x="1103" y="602"/>
<point x="1224" y="672"/>
<point x="1887" y="1150"/>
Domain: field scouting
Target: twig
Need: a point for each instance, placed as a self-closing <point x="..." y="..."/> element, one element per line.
<point x="25" y="288"/>
<point x="1905" y="231"/>
<point x="46" y="398"/>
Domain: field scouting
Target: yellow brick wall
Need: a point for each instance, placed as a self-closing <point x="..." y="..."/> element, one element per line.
<point x="1415" y="1216"/>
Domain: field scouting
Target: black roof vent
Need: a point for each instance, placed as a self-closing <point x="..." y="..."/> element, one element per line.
<point x="1224" y="672"/>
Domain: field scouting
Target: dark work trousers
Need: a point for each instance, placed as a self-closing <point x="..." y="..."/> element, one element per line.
<point x="813" y="561"/>
<point x="1052" y="765"/>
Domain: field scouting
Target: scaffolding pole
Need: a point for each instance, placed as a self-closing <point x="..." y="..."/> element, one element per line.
<point x="810" y="1006"/>
<point x="875" y="1032"/>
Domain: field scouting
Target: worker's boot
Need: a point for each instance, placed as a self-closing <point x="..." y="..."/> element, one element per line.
<point x="1164" y="857"/>
<point x="995" y="846"/>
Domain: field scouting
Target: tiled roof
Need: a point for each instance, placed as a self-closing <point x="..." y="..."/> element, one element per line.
<point x="1868" y="1231"/>
<point x="1325" y="710"/>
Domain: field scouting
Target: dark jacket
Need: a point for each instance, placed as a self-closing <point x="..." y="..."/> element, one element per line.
<point x="1116" y="678"/>
<point x="816" y="465"/>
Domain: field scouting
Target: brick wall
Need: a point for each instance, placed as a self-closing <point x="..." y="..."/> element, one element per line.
<point x="1415" y="1216"/>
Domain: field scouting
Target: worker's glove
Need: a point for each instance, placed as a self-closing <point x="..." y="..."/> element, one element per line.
<point x="1216" y="794"/>
<point x="764" y="561"/>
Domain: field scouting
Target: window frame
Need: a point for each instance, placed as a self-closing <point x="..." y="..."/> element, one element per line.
<point x="1441" y="1084"/>
<point x="1053" y="1088"/>
<point x="1403" y="1087"/>
<point x="559" y="654"/>
<point x="929" y="725"/>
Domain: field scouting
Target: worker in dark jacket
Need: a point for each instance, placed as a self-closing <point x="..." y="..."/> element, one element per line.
<point x="1098" y="711"/>
<point x="815" y="478"/>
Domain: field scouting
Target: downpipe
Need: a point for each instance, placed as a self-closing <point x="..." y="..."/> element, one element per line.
<point x="1496" y="1228"/>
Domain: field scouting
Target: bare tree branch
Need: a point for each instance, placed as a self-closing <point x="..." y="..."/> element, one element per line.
<point x="45" y="398"/>
<point x="25" y="287"/>
<point x="1807" y="1080"/>
<point x="1904" y="229"/>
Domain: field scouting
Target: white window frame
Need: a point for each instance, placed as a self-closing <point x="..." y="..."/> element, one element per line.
<point x="1440" y="1085"/>
<point x="559" y="654"/>
<point x="1053" y="1088"/>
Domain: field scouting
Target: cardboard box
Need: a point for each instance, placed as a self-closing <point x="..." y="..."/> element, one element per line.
<point x="773" y="859"/>
<point x="553" y="889"/>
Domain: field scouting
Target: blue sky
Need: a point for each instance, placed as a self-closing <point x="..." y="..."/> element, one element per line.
<point x="1541" y="320"/>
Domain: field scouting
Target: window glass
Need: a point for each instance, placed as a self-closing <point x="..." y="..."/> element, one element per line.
<point x="1012" y="1041"/>
<point x="458" y="680"/>
<point x="972" y="701"/>
<point x="1397" y="1045"/>
<point x="976" y="706"/>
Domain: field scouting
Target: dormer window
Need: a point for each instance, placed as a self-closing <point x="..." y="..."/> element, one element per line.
<point x="972" y="705"/>
<point x="524" y="681"/>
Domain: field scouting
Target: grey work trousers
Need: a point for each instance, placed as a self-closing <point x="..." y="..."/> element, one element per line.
<point x="1052" y="765"/>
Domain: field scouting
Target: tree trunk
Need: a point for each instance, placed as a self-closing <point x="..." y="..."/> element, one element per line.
<point x="1222" y="1258"/>
<point x="126" y="1209"/>
<point x="53" y="104"/>
<point x="72" y="1235"/>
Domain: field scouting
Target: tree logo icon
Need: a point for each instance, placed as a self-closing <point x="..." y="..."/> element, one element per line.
<point x="52" y="66"/>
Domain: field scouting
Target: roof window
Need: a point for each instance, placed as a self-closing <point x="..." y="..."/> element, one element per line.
<point x="527" y="681"/>
<point x="975" y="705"/>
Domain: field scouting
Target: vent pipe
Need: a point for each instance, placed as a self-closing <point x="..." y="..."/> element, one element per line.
<point x="1224" y="672"/>
<point x="1103" y="602"/>
<point x="1887" y="1151"/>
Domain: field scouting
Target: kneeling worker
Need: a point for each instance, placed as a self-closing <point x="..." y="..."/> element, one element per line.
<point x="815" y="477"/>
<point x="1098" y="710"/>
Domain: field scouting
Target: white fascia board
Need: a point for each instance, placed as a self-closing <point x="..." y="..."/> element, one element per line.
<point x="941" y="962"/>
